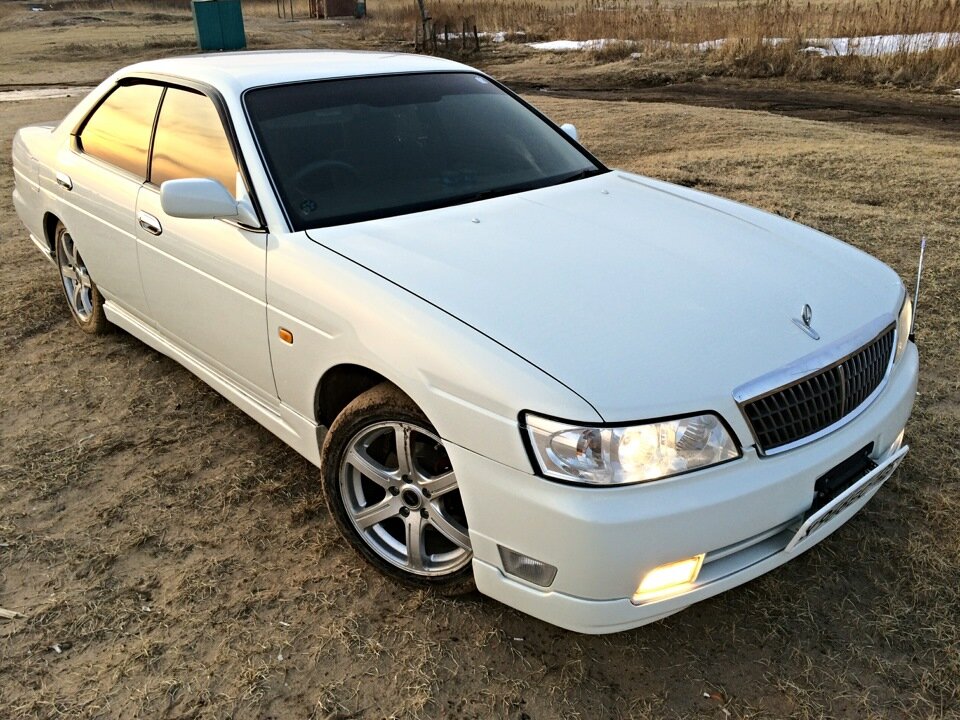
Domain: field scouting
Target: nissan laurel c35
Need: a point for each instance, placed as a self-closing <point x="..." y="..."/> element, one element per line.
<point x="594" y="396"/>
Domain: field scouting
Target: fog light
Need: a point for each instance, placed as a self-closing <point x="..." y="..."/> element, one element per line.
<point x="528" y="568"/>
<point x="668" y="579"/>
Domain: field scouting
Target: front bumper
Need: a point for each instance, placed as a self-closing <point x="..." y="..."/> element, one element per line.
<point x="604" y="540"/>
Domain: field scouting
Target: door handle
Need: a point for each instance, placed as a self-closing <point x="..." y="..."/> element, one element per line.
<point x="64" y="181"/>
<point x="149" y="223"/>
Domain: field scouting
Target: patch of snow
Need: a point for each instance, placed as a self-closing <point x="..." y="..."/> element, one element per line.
<point x="502" y="35"/>
<point x="867" y="46"/>
<point x="705" y="45"/>
<point x="566" y="45"/>
<point x="876" y="45"/>
<point x="498" y="37"/>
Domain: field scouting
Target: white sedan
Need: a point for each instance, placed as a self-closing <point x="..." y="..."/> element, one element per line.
<point x="594" y="396"/>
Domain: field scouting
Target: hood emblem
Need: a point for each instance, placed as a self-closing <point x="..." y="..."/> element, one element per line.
<point x="803" y="322"/>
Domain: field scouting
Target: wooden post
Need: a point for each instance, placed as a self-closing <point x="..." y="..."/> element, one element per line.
<point x="424" y="23"/>
<point x="476" y="37"/>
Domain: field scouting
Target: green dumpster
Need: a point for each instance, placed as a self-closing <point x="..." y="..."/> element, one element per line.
<point x="219" y="24"/>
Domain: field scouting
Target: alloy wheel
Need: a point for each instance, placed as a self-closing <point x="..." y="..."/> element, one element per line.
<point x="76" y="280"/>
<point x="400" y="492"/>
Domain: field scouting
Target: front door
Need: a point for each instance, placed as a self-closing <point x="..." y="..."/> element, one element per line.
<point x="204" y="280"/>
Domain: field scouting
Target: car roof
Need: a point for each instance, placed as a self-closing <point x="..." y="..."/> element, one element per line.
<point x="237" y="71"/>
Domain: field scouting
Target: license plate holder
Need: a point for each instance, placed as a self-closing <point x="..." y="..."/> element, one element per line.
<point x="849" y="497"/>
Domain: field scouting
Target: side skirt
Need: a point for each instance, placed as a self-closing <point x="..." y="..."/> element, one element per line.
<point x="42" y="246"/>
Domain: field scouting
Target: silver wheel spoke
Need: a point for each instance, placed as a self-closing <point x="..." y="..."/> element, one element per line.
<point x="377" y="513"/>
<point x="77" y="299"/>
<point x="416" y="553"/>
<point x="69" y="273"/>
<point x="86" y="300"/>
<point x="441" y="484"/>
<point x="380" y="475"/>
<point x="401" y="434"/>
<point x="446" y="528"/>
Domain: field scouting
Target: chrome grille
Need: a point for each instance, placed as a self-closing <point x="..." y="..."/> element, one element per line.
<point x="816" y="402"/>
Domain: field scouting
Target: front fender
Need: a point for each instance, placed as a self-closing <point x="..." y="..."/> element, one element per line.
<point x="470" y="387"/>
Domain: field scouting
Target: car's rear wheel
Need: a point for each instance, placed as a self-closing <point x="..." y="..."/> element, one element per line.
<point x="393" y="493"/>
<point x="83" y="297"/>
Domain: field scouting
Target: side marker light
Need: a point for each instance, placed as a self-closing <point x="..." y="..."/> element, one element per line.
<point x="526" y="567"/>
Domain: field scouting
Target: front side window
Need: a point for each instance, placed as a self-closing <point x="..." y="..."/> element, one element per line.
<point x="190" y="141"/>
<point x="118" y="132"/>
<point x="362" y="148"/>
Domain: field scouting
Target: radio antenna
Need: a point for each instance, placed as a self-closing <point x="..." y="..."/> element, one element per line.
<point x="916" y="292"/>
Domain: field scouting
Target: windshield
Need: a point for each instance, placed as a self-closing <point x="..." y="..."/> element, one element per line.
<point x="342" y="151"/>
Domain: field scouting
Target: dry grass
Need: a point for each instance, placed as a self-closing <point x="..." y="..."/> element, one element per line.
<point x="690" y="20"/>
<point x="656" y="32"/>
<point x="659" y="29"/>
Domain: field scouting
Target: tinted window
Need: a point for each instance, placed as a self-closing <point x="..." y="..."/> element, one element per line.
<point x="362" y="148"/>
<point x="191" y="142"/>
<point x="119" y="131"/>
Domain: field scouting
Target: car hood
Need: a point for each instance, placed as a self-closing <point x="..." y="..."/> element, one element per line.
<point x="644" y="298"/>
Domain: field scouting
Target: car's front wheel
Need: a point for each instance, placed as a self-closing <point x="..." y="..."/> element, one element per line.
<point x="83" y="297"/>
<point x="393" y="493"/>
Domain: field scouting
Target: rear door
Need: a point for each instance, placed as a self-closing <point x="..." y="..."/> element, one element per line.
<point x="98" y="180"/>
<point x="204" y="280"/>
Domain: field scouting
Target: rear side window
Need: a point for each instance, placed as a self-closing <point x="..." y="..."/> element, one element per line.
<point x="191" y="142"/>
<point x="118" y="132"/>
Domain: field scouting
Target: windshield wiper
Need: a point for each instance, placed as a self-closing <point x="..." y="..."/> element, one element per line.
<point x="524" y="187"/>
<point x="579" y="175"/>
<point x="499" y="192"/>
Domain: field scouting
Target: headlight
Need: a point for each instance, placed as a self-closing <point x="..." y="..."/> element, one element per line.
<point x="628" y="454"/>
<point x="904" y="325"/>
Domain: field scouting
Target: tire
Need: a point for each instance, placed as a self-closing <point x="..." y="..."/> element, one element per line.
<point x="83" y="297"/>
<point x="401" y="511"/>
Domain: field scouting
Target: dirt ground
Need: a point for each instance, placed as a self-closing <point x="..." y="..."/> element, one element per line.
<point x="172" y="559"/>
<point x="891" y="109"/>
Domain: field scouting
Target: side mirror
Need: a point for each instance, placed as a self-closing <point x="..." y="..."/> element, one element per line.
<point x="571" y="130"/>
<point x="204" y="199"/>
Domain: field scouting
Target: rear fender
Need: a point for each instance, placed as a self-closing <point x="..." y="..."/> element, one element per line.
<point x="29" y="145"/>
